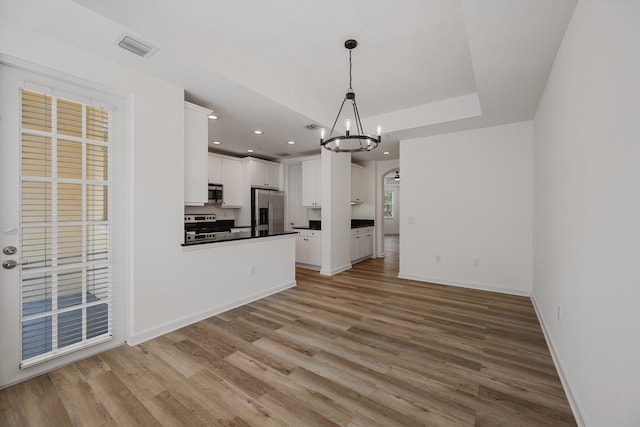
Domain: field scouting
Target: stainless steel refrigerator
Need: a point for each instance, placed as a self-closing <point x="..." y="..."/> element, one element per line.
<point x="267" y="212"/>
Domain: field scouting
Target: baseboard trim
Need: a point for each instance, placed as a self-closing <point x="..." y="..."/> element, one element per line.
<point x="575" y="405"/>
<point x="308" y="266"/>
<point x="335" y="270"/>
<point x="188" y="320"/>
<point x="469" y="285"/>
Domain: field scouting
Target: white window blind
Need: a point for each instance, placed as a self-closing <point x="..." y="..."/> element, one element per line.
<point x="66" y="289"/>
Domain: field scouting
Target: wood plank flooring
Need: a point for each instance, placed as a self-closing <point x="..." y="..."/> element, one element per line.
<point x="362" y="348"/>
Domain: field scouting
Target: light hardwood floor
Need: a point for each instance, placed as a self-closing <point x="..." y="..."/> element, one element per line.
<point x="362" y="348"/>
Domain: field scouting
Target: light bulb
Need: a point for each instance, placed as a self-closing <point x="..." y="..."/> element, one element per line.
<point x="379" y="129"/>
<point x="338" y="143"/>
<point x="322" y="133"/>
<point x="347" y="124"/>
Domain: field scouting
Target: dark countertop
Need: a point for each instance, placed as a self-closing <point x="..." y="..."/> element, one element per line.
<point x="355" y="223"/>
<point x="231" y="237"/>
<point x="317" y="229"/>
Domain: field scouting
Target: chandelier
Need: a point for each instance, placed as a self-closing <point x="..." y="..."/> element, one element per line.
<point x="350" y="142"/>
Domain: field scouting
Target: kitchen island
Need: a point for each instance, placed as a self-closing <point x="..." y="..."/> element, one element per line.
<point x="211" y="278"/>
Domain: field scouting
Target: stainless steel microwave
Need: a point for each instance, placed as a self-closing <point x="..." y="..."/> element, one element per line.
<point x="215" y="193"/>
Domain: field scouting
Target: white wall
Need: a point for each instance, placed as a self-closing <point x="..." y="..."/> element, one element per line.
<point x="392" y="225"/>
<point x="469" y="196"/>
<point x="587" y="212"/>
<point x="168" y="287"/>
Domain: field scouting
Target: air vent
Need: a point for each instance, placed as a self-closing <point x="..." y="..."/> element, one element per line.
<point x="136" y="46"/>
<point x="283" y="154"/>
<point x="312" y="126"/>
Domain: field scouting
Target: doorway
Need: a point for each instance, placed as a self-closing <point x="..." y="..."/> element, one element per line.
<point x="62" y="294"/>
<point x="391" y="218"/>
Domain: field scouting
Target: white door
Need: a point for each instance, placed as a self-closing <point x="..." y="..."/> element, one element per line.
<point x="58" y="302"/>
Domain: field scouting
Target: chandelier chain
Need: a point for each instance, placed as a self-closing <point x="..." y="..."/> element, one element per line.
<point x="350" y="88"/>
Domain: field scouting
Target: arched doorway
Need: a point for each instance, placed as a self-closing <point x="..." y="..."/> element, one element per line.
<point x="391" y="218"/>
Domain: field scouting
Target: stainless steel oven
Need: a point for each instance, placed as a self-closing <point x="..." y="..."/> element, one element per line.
<point x="215" y="193"/>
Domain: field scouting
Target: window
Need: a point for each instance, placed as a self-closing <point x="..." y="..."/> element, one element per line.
<point x="389" y="208"/>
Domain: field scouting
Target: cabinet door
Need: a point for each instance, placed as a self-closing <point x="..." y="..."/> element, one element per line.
<point x="232" y="182"/>
<point x="257" y="173"/>
<point x="301" y="249"/>
<point x="272" y="176"/>
<point x="196" y="132"/>
<point x="354" y="247"/>
<point x="215" y="169"/>
<point x="367" y="244"/>
<point x="309" y="183"/>
<point x="356" y="183"/>
<point x="318" y="183"/>
<point x="314" y="251"/>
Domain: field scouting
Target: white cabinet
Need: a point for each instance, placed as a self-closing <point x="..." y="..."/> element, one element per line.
<point x="361" y="243"/>
<point x="215" y="169"/>
<point x="357" y="184"/>
<point x="263" y="173"/>
<point x="311" y="183"/>
<point x="272" y="175"/>
<point x="196" y="145"/>
<point x="309" y="248"/>
<point x="231" y="183"/>
<point x="228" y="172"/>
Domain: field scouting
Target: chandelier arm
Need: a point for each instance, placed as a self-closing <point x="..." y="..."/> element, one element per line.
<point x="356" y="112"/>
<point x="355" y="116"/>
<point x="337" y="117"/>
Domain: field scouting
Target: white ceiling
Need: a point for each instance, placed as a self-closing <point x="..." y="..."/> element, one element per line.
<point x="420" y="68"/>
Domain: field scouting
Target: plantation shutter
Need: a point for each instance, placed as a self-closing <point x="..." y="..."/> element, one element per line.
<point x="66" y="277"/>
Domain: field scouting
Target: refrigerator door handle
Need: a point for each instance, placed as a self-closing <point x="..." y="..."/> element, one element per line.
<point x="270" y="215"/>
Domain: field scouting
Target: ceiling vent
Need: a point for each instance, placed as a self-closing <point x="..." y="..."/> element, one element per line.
<point x="312" y="126"/>
<point x="136" y="46"/>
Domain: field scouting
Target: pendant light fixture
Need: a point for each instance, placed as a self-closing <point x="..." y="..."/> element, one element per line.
<point x="358" y="140"/>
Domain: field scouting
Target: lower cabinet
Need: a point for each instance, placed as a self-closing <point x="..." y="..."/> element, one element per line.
<point x="361" y="243"/>
<point x="309" y="249"/>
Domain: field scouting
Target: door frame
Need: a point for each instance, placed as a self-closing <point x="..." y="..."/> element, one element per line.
<point x="122" y="210"/>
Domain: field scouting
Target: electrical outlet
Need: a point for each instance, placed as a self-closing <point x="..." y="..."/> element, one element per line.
<point x="558" y="312"/>
<point x="438" y="258"/>
<point x="253" y="270"/>
<point x="476" y="262"/>
<point x="411" y="220"/>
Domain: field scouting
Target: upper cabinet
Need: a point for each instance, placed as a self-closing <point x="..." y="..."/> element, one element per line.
<point x="232" y="183"/>
<point x="228" y="172"/>
<point x="196" y="134"/>
<point x="311" y="183"/>
<point x="263" y="174"/>
<point x="215" y="169"/>
<point x="357" y="184"/>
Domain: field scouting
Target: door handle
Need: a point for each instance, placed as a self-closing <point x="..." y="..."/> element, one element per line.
<point x="9" y="250"/>
<point x="12" y="263"/>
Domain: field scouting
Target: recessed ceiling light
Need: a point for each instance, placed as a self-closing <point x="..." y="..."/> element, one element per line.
<point x="249" y="150"/>
<point x="257" y="132"/>
<point x="216" y="142"/>
<point x="213" y="117"/>
<point x="291" y="142"/>
<point x="386" y="152"/>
